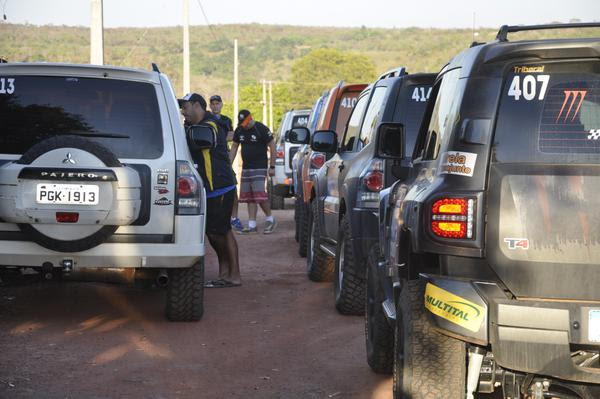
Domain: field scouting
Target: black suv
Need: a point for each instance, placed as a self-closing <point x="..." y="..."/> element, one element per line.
<point x="343" y="222"/>
<point x="493" y="241"/>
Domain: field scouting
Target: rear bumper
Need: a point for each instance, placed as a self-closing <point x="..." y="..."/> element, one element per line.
<point x="187" y="249"/>
<point x="531" y="336"/>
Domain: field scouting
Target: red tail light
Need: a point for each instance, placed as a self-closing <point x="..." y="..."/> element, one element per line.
<point x="317" y="160"/>
<point x="371" y="183"/>
<point x="280" y="153"/>
<point x="188" y="195"/>
<point x="374" y="180"/>
<point x="67" y="217"/>
<point x="186" y="185"/>
<point x="453" y="217"/>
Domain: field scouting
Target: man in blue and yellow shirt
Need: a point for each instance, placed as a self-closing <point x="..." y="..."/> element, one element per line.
<point x="219" y="181"/>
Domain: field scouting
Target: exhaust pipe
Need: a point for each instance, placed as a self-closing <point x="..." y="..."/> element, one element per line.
<point x="163" y="278"/>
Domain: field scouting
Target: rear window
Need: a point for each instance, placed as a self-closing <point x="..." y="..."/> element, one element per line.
<point x="122" y="115"/>
<point x="550" y="112"/>
<point x="345" y="105"/>
<point x="299" y="121"/>
<point x="412" y="109"/>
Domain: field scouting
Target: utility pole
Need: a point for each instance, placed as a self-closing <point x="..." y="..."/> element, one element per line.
<point x="235" y="80"/>
<point x="264" y="102"/>
<point x="97" y="33"/>
<point x="271" y="105"/>
<point x="186" y="46"/>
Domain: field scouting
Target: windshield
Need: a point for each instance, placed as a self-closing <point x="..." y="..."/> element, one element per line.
<point x="122" y="115"/>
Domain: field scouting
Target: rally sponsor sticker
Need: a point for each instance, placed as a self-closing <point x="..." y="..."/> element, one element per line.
<point x="453" y="308"/>
<point x="458" y="163"/>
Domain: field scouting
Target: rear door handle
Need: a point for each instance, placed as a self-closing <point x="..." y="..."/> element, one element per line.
<point x="341" y="166"/>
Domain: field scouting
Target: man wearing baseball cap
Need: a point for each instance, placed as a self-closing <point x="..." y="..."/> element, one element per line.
<point x="219" y="182"/>
<point x="216" y="105"/>
<point x="254" y="138"/>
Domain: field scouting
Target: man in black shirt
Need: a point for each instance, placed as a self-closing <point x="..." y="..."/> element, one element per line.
<point x="216" y="105"/>
<point x="255" y="138"/>
<point x="219" y="182"/>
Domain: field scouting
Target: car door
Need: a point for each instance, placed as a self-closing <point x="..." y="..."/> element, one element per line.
<point x="331" y="202"/>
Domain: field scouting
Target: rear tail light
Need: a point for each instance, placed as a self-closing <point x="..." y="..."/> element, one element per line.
<point x="188" y="194"/>
<point x="67" y="217"/>
<point x="370" y="184"/>
<point x="280" y="153"/>
<point x="453" y="217"/>
<point x="317" y="160"/>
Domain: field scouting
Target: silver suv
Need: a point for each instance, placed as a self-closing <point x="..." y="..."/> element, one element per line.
<point x="95" y="172"/>
<point x="282" y="185"/>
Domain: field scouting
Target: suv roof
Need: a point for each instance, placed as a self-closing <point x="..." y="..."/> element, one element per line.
<point x="61" y="69"/>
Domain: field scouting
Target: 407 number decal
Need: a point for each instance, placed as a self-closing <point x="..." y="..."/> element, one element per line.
<point x="529" y="87"/>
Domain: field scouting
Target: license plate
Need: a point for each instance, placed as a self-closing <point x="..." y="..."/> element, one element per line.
<point x="594" y="325"/>
<point x="67" y="194"/>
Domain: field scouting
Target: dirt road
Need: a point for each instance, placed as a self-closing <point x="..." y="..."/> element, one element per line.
<point x="277" y="336"/>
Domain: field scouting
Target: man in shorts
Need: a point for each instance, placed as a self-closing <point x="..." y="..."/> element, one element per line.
<point x="216" y="105"/>
<point x="219" y="182"/>
<point x="254" y="138"/>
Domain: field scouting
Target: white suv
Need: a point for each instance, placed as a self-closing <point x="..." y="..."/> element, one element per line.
<point x="95" y="172"/>
<point x="282" y="184"/>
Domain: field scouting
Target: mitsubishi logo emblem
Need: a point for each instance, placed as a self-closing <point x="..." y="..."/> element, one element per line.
<point x="69" y="159"/>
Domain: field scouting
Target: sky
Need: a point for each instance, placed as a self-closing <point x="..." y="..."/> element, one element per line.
<point x="349" y="13"/>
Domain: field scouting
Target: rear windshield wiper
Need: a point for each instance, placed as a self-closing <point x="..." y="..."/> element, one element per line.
<point x="86" y="133"/>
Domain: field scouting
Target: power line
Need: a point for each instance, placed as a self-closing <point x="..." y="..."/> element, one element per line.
<point x="210" y="28"/>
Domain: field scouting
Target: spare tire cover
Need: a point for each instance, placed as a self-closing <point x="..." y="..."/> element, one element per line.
<point x="73" y="238"/>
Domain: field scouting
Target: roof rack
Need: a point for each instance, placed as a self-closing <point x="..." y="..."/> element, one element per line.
<point x="392" y="73"/>
<point x="155" y="68"/>
<point x="506" y="29"/>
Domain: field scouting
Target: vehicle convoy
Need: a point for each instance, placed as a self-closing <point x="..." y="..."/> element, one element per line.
<point x="488" y="273"/>
<point x="281" y="185"/>
<point x="96" y="174"/>
<point x="336" y="111"/>
<point x="343" y="222"/>
<point x="297" y="162"/>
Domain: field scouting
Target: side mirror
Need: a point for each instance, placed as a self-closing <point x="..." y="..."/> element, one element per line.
<point x="324" y="141"/>
<point x="390" y="140"/>
<point x="298" y="135"/>
<point x="202" y="136"/>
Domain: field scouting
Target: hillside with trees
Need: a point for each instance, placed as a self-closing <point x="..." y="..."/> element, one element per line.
<point x="300" y="61"/>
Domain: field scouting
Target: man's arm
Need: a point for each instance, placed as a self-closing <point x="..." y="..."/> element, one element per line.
<point x="233" y="151"/>
<point x="272" y="157"/>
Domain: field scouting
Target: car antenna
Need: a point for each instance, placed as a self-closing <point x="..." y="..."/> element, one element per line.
<point x="155" y="68"/>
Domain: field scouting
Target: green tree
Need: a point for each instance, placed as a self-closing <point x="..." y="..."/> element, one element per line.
<point x="320" y="69"/>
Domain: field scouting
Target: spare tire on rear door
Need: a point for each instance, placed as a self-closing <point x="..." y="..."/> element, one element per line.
<point x="69" y="193"/>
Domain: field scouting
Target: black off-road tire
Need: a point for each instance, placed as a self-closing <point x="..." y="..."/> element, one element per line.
<point x="427" y="364"/>
<point x="349" y="279"/>
<point x="379" y="333"/>
<point x="303" y="229"/>
<point x="319" y="265"/>
<point x="277" y="201"/>
<point x="296" y="220"/>
<point x="185" y="293"/>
